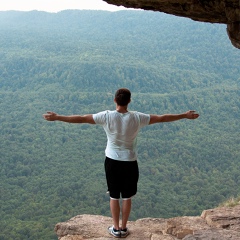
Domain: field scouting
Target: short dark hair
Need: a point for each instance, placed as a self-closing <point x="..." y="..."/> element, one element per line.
<point x="122" y="96"/>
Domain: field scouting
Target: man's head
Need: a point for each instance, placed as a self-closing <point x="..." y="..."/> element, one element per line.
<point x="122" y="97"/>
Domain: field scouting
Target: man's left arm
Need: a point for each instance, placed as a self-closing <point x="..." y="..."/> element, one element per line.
<point x="173" y="117"/>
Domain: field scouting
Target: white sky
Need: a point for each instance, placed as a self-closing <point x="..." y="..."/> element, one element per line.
<point x="55" y="5"/>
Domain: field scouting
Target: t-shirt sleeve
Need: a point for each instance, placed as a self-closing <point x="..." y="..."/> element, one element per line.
<point x="144" y="119"/>
<point x="100" y="118"/>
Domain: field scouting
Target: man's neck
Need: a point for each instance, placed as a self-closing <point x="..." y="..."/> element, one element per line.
<point x="121" y="109"/>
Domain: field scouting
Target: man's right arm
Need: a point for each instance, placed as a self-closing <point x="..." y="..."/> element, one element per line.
<point x="52" y="116"/>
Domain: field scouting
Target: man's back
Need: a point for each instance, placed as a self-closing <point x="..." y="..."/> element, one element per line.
<point x="121" y="130"/>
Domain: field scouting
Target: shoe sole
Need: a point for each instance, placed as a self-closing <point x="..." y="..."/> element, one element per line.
<point x="125" y="236"/>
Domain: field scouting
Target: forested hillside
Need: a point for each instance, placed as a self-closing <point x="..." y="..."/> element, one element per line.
<point x="71" y="63"/>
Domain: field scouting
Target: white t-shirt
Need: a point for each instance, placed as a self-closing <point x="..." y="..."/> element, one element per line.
<point x="121" y="130"/>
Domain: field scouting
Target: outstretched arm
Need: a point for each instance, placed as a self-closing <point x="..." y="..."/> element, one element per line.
<point x="173" y="117"/>
<point x="52" y="116"/>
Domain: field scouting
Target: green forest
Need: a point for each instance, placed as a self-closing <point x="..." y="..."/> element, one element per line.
<point x="72" y="62"/>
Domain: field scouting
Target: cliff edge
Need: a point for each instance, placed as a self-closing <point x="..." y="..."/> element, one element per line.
<point x="219" y="224"/>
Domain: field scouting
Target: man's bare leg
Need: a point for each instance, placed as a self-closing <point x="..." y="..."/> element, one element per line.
<point x="126" y="209"/>
<point x="115" y="211"/>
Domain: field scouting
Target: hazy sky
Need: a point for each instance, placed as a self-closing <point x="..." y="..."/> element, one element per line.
<point x="55" y="5"/>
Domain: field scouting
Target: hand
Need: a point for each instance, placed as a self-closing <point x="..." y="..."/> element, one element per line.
<point x="191" y="114"/>
<point x="50" y="116"/>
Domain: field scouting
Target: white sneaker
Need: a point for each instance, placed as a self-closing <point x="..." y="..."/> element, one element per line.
<point x="124" y="232"/>
<point x="116" y="233"/>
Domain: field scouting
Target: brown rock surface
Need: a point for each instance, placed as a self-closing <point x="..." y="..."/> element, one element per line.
<point x="213" y="11"/>
<point x="219" y="224"/>
<point x="226" y="218"/>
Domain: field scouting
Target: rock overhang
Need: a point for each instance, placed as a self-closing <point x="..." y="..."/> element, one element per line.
<point x="212" y="11"/>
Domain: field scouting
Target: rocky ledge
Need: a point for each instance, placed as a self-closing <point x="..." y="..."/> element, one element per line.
<point x="218" y="224"/>
<point x="213" y="11"/>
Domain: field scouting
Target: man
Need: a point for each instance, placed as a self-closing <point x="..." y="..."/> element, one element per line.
<point x="121" y="167"/>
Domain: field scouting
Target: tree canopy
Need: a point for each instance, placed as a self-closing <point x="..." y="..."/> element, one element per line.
<point x="72" y="62"/>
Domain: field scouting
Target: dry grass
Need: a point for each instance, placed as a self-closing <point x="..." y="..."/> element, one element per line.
<point x="232" y="202"/>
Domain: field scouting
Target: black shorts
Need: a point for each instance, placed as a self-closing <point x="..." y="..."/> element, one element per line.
<point x="122" y="178"/>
